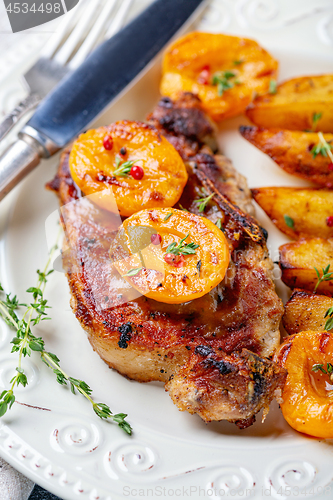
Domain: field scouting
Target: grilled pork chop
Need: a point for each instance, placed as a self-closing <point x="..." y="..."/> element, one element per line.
<point x="147" y="340"/>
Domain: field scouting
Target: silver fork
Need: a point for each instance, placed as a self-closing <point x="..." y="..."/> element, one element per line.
<point x="82" y="28"/>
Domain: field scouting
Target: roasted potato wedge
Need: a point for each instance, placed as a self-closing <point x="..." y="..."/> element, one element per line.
<point x="291" y="150"/>
<point x="305" y="311"/>
<point x="298" y="260"/>
<point x="298" y="212"/>
<point x="224" y="71"/>
<point x="295" y="104"/>
<point x="307" y="395"/>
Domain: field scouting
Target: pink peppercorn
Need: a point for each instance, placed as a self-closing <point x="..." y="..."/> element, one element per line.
<point x="108" y="142"/>
<point x="156" y="239"/>
<point x="174" y="260"/>
<point x="204" y="75"/>
<point x="137" y="172"/>
<point x="329" y="221"/>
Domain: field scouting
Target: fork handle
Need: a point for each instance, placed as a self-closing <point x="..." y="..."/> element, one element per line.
<point x="17" y="113"/>
<point x="15" y="163"/>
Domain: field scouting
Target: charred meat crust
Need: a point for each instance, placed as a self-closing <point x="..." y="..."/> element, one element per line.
<point x="147" y="340"/>
<point x="217" y="385"/>
<point x="241" y="221"/>
<point x="185" y="125"/>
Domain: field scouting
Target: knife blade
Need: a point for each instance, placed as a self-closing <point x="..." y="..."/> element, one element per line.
<point x="87" y="91"/>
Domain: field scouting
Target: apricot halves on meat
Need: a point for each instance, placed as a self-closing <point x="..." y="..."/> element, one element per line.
<point x="187" y="259"/>
<point x="132" y="148"/>
<point x="226" y="72"/>
<point x="307" y="395"/>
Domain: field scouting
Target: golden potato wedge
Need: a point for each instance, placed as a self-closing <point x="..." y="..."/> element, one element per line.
<point x="294" y="105"/>
<point x="291" y="150"/>
<point x="298" y="212"/>
<point x="298" y="260"/>
<point x="305" y="311"/>
<point x="224" y="71"/>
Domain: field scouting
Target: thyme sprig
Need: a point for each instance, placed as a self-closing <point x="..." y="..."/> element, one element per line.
<point x="328" y="371"/>
<point x="322" y="148"/>
<point x="101" y="409"/>
<point x="24" y="342"/>
<point x="122" y="169"/>
<point x="182" y="248"/>
<point x="329" y="321"/>
<point x="326" y="276"/>
<point x="167" y="216"/>
<point x="223" y="81"/>
<point x="203" y="202"/>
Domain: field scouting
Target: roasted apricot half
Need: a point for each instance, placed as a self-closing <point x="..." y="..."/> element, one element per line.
<point x="226" y="72"/>
<point x="170" y="255"/>
<point x="131" y="159"/>
<point x="308" y="392"/>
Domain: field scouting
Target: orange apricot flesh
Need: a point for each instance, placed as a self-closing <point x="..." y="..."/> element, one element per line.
<point x="92" y="167"/>
<point x="147" y="267"/>
<point x="308" y="394"/>
<point x="191" y="62"/>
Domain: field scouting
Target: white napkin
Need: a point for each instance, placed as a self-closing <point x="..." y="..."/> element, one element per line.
<point x="13" y="485"/>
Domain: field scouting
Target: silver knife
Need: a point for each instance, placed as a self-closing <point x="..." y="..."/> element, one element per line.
<point x="87" y="91"/>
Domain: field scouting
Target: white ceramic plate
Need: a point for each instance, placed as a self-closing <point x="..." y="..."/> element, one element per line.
<point x="58" y="441"/>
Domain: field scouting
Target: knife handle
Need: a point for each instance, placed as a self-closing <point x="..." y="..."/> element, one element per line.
<point x="17" y="113"/>
<point x="15" y="163"/>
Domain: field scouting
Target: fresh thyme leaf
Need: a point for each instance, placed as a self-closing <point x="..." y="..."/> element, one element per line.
<point x="122" y="169"/>
<point x="102" y="410"/>
<point x="317" y="367"/>
<point x="203" y="202"/>
<point x="54" y="358"/>
<point x="222" y="80"/>
<point x="322" y="148"/>
<point x="36" y="346"/>
<point x="289" y="221"/>
<point x="238" y="62"/>
<point x="3" y="408"/>
<point x="229" y="74"/>
<point x="329" y="312"/>
<point x="329" y="324"/>
<point x="182" y="208"/>
<point x="167" y="216"/>
<point x="326" y="276"/>
<point x="182" y="248"/>
<point x="218" y="223"/>
<point x="329" y="316"/>
<point x="134" y="271"/>
<point x="272" y="87"/>
<point x="125" y="426"/>
<point x="315" y="119"/>
<point x="328" y="371"/>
